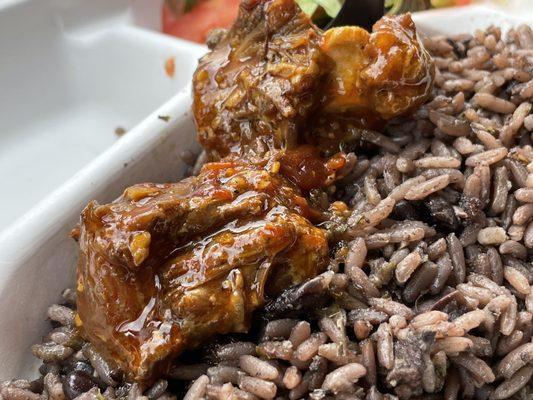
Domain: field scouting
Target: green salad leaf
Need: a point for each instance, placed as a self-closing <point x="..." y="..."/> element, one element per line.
<point x="308" y="6"/>
<point x="331" y="7"/>
<point x="393" y="6"/>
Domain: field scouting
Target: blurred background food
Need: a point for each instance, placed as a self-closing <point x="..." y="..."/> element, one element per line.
<point x="193" y="19"/>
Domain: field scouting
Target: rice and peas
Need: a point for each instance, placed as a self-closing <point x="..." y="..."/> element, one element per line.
<point x="431" y="299"/>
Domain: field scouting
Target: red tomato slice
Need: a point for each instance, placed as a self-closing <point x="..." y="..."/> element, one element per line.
<point x="195" y="24"/>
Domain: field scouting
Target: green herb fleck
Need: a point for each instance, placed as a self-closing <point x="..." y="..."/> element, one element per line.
<point x="165" y="118"/>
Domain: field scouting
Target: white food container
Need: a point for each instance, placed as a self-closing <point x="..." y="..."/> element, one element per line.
<point x="37" y="258"/>
<point x="71" y="72"/>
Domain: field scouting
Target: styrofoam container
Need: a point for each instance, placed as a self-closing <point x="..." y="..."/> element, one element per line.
<point x="71" y="71"/>
<point x="37" y="258"/>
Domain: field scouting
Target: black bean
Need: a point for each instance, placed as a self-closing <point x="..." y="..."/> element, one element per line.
<point x="37" y="385"/>
<point x="442" y="213"/>
<point x="299" y="299"/>
<point x="45" y="368"/>
<point x="404" y="210"/>
<point x="456" y="252"/>
<point x="77" y="382"/>
<point x="471" y="206"/>
<point x="510" y="208"/>
<point x="82" y="366"/>
<point x="420" y="281"/>
<point x="317" y="372"/>
<point x="458" y="48"/>
<point x="122" y="390"/>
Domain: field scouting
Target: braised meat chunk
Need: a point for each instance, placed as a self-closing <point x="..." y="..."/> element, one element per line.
<point x="385" y="73"/>
<point x="155" y="218"/>
<point x="275" y="81"/>
<point x="164" y="267"/>
<point x="252" y="92"/>
<point x="375" y="77"/>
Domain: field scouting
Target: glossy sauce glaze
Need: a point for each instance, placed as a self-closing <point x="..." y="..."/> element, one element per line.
<point x="307" y="169"/>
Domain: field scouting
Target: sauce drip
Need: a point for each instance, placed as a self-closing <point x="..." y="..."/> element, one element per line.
<point x="307" y="169"/>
